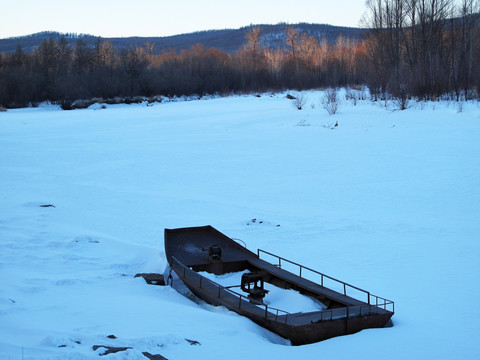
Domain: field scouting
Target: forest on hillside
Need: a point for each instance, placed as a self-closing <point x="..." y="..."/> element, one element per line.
<point x="420" y="48"/>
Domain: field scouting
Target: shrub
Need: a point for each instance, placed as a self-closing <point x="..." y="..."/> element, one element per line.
<point x="330" y="101"/>
<point x="350" y="95"/>
<point x="82" y="104"/>
<point x="400" y="97"/>
<point x="66" y="104"/>
<point x="152" y="99"/>
<point x="114" y="101"/>
<point x="355" y="94"/>
<point x="299" y="101"/>
<point x="133" y="100"/>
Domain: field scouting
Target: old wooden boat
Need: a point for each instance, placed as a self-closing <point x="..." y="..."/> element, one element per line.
<point x="345" y="309"/>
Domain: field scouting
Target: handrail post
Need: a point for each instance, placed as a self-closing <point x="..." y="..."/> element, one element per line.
<point x="300" y="271"/>
<point x="368" y="294"/>
<point x="266" y="311"/>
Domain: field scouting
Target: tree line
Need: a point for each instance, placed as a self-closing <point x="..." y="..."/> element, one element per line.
<point x="60" y="73"/>
<point x="415" y="48"/>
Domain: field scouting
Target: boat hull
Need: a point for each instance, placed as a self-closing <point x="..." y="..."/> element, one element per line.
<point x="186" y="251"/>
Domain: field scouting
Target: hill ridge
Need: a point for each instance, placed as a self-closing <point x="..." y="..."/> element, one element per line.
<point x="228" y="40"/>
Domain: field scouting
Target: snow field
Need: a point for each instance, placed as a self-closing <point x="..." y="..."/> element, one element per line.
<point x="388" y="201"/>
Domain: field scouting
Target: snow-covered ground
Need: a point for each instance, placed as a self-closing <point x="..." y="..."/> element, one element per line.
<point x="387" y="200"/>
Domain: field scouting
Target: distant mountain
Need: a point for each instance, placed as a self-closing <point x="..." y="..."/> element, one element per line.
<point x="228" y="40"/>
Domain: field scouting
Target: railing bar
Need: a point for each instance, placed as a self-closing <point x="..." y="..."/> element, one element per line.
<point x="309" y="269"/>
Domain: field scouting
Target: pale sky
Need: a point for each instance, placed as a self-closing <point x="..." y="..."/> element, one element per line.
<point x="110" y="18"/>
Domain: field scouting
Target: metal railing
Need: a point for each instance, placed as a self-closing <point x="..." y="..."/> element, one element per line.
<point x="221" y="291"/>
<point x="241" y="301"/>
<point x="371" y="300"/>
<point x="341" y="313"/>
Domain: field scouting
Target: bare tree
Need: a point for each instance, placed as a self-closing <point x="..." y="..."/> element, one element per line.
<point x="292" y="39"/>
<point x="469" y="17"/>
<point x="134" y="63"/>
<point x="253" y="46"/>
